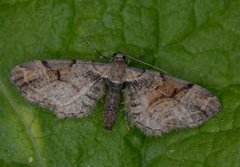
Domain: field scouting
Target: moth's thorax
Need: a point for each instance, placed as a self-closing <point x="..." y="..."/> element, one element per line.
<point x="117" y="72"/>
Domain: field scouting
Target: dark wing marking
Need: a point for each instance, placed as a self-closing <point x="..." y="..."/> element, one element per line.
<point x="70" y="88"/>
<point x="157" y="103"/>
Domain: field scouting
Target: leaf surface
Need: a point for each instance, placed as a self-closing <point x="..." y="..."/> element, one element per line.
<point x="196" y="40"/>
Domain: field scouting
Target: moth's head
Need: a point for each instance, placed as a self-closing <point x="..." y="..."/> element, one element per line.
<point x="118" y="56"/>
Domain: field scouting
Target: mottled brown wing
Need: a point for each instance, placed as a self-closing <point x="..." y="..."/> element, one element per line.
<point x="70" y="88"/>
<point x="157" y="103"/>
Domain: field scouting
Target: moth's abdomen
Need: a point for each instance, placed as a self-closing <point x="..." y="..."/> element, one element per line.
<point x="112" y="103"/>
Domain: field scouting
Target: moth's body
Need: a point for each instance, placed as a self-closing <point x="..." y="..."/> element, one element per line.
<point x="115" y="83"/>
<point x="154" y="102"/>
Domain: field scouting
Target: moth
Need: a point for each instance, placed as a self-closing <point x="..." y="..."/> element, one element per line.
<point x="154" y="102"/>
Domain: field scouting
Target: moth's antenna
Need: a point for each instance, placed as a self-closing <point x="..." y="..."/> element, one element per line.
<point x="92" y="46"/>
<point x="146" y="64"/>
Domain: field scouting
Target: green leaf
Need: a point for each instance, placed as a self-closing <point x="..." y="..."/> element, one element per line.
<point x="196" y="40"/>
